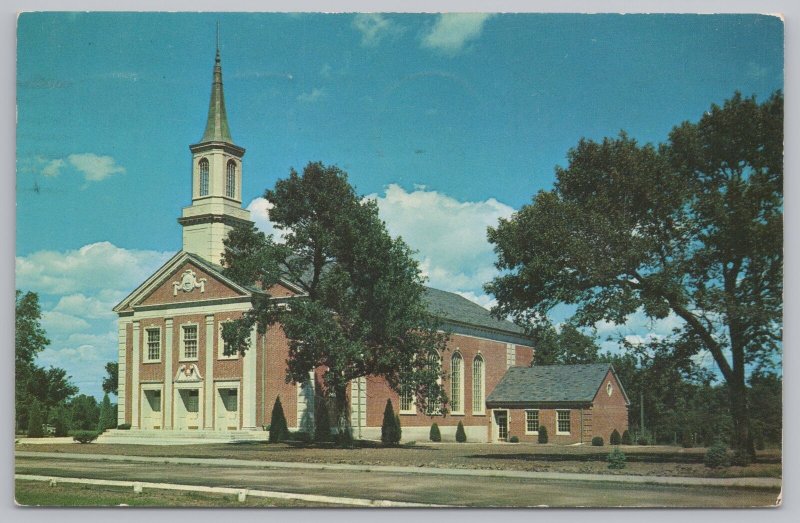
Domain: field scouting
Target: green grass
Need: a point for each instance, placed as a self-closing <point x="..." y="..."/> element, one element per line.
<point x="40" y="493"/>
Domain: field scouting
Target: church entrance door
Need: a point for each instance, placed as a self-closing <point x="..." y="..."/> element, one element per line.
<point x="227" y="408"/>
<point x="188" y="409"/>
<point x="151" y="409"/>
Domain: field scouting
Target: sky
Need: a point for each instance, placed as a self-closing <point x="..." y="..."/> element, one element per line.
<point x="449" y="121"/>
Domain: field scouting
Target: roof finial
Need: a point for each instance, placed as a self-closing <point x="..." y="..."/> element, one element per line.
<point x="218" y="40"/>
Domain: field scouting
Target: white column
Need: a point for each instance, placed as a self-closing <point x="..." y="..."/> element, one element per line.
<point x="208" y="419"/>
<point x="168" y="390"/>
<point x="249" y="384"/>
<point x="135" y="393"/>
<point x="122" y="368"/>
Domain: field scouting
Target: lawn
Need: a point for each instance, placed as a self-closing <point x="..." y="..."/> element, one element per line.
<point x="642" y="460"/>
<point x="39" y="493"/>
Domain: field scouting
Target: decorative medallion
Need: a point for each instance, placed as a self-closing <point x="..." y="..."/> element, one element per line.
<point x="609" y="388"/>
<point x="188" y="372"/>
<point x="188" y="283"/>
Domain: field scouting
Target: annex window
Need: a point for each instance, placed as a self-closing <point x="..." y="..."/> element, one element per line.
<point x="190" y="342"/>
<point x="531" y="422"/>
<point x="562" y="422"/>
<point x="230" y="180"/>
<point x="203" y="177"/>
<point x="478" y="385"/>
<point x="153" y="345"/>
<point x="457" y="384"/>
<point x="407" y="400"/>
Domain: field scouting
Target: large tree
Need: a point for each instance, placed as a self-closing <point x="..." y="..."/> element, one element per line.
<point x="692" y="229"/>
<point x="361" y="312"/>
<point x="48" y="387"/>
<point x="111" y="381"/>
<point x="565" y="346"/>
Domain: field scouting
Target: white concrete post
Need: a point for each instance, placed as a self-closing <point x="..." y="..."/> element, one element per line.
<point x="208" y="419"/>
<point x="121" y="372"/>
<point x="249" y="384"/>
<point x="137" y="351"/>
<point x="168" y="373"/>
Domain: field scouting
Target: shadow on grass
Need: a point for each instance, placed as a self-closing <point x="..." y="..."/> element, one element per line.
<point x="332" y="445"/>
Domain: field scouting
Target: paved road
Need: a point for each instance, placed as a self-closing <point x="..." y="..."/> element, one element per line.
<point x="401" y="486"/>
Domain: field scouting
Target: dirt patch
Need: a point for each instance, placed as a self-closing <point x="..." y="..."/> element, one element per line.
<point x="647" y="461"/>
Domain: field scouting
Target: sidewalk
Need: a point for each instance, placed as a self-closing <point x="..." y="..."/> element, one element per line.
<point x="557" y="476"/>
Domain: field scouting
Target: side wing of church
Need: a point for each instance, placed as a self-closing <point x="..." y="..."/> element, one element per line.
<point x="174" y="378"/>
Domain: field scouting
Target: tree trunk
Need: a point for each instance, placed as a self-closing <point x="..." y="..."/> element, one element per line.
<point x="742" y="439"/>
<point x="342" y="410"/>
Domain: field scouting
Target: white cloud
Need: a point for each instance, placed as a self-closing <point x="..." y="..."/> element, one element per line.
<point x="452" y="31"/>
<point x="374" y="27"/>
<point x="94" y="267"/>
<point x="484" y="300"/>
<point x="53" y="168"/>
<point x="316" y="94"/>
<point x="95" y="168"/>
<point x="638" y="323"/>
<point x="449" y="235"/>
<point x="56" y="322"/>
<point x="259" y="213"/>
<point x="87" y="306"/>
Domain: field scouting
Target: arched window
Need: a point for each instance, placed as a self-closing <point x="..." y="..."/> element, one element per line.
<point x="457" y="384"/>
<point x="230" y="180"/>
<point x="203" y="177"/>
<point x="478" y="385"/>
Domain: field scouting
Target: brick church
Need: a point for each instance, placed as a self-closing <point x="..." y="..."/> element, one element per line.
<point x="175" y="379"/>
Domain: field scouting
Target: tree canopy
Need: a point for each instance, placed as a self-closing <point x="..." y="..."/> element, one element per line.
<point x="565" y="346"/>
<point x="692" y="228"/>
<point x="361" y="311"/>
<point x="111" y="381"/>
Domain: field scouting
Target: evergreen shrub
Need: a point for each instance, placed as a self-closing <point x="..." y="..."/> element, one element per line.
<point x="626" y="438"/>
<point x="85" y="436"/>
<point x="124" y="426"/>
<point x="717" y="456"/>
<point x="435" y="434"/>
<point x="278" y="430"/>
<point x="597" y="441"/>
<point x="615" y="438"/>
<point x="389" y="428"/>
<point x="513" y="439"/>
<point x="542" y="434"/>
<point x="616" y="459"/>
<point x="461" y="435"/>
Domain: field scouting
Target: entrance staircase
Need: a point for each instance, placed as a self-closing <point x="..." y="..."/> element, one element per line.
<point x="180" y="437"/>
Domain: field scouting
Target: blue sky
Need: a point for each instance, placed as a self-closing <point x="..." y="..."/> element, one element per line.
<point x="450" y="121"/>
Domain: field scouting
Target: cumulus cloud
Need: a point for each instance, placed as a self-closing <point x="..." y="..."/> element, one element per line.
<point x="484" y="300"/>
<point x="95" y="168"/>
<point x="53" y="168"/>
<point x="94" y="267"/>
<point x="87" y="306"/>
<point x="374" y="27"/>
<point x="452" y="31"/>
<point x="449" y="235"/>
<point x="259" y="213"/>
<point x="58" y="322"/>
<point x="316" y="94"/>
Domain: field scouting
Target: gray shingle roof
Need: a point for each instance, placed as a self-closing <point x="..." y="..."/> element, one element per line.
<point x="451" y="306"/>
<point x="549" y="384"/>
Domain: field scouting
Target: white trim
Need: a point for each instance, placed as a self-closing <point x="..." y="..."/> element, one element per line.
<point x="538" y="422"/>
<point x="227" y="384"/>
<point x="146" y="344"/>
<point x="209" y="378"/>
<point x="569" y="414"/>
<point x="122" y="369"/>
<point x="145" y="387"/>
<point x="191" y="310"/>
<point x="412" y="409"/>
<point x="496" y="428"/>
<point x="168" y="349"/>
<point x="135" y="394"/>
<point x="182" y="347"/>
<point x="249" y="384"/>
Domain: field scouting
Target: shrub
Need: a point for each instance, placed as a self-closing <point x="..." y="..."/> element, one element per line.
<point x="35" y="420"/>
<point x="278" y="430"/>
<point x="616" y="459"/>
<point x="717" y="456"/>
<point x="626" y="438"/>
<point x="85" y="436"/>
<point x="542" y="434"/>
<point x="344" y="439"/>
<point x="398" y="427"/>
<point x="741" y="458"/>
<point x="106" y="419"/>
<point x="686" y="440"/>
<point x="615" y="438"/>
<point x="124" y="426"/>
<point x="389" y="432"/>
<point x="597" y="441"/>
<point x="300" y="435"/>
<point x="461" y="435"/>
<point x="642" y="441"/>
<point x="435" y="434"/>
<point x="59" y="419"/>
<point x="513" y="439"/>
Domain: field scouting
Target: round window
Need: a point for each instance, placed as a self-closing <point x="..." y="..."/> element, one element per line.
<point x="609" y="388"/>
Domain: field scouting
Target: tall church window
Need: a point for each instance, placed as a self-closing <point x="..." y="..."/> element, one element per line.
<point x="478" y="385"/>
<point x="153" y="344"/>
<point x="457" y="384"/>
<point x="203" y="177"/>
<point x="230" y="180"/>
<point x="406" y="400"/>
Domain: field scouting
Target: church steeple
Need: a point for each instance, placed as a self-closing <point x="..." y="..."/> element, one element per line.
<point x="217" y="129"/>
<point x="216" y="181"/>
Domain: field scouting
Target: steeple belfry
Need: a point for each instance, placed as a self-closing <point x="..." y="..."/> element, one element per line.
<point x="216" y="180"/>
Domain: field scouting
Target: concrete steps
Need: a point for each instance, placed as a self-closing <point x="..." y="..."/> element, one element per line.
<point x="179" y="437"/>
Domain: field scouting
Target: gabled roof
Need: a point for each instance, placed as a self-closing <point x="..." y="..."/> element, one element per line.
<point x="552" y="384"/>
<point x="158" y="277"/>
<point x="453" y="307"/>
